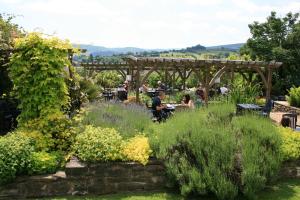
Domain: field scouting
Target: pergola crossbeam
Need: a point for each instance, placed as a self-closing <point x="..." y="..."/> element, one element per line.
<point x="185" y="66"/>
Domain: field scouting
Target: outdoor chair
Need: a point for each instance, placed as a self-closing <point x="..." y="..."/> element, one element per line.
<point x="291" y="118"/>
<point x="265" y="111"/>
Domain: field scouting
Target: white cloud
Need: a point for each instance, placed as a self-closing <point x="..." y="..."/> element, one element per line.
<point x="146" y="23"/>
<point x="204" y="2"/>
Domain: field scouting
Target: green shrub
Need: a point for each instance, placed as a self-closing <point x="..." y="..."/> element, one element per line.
<point x="211" y="151"/>
<point x="244" y="92"/>
<point x="294" y="96"/>
<point x="108" y="79"/>
<point x="15" y="152"/>
<point x="128" y="120"/>
<point x="91" y="90"/>
<point x="44" y="163"/>
<point x="42" y="142"/>
<point x="290" y="147"/>
<point x="199" y="155"/>
<point x="57" y="129"/>
<point x="153" y="79"/>
<point x="259" y="145"/>
<point x="137" y="149"/>
<point x="38" y="72"/>
<point x="98" y="144"/>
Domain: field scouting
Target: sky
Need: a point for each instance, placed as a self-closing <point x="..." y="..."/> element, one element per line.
<point x="146" y="23"/>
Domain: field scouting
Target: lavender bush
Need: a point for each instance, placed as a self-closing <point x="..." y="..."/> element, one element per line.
<point x="127" y="119"/>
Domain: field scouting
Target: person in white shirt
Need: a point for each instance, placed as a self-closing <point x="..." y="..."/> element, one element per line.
<point x="224" y="90"/>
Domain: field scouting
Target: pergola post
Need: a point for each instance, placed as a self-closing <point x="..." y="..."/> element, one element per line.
<point x="269" y="83"/>
<point x="184" y="79"/>
<point x="231" y="75"/>
<point x="206" y="86"/>
<point x="166" y="76"/>
<point x="137" y="83"/>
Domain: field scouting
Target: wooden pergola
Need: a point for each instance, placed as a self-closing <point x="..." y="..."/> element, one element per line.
<point x="207" y="71"/>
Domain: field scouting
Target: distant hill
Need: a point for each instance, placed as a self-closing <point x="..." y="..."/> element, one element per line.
<point x="236" y="46"/>
<point x="104" y="51"/>
<point x="193" y="49"/>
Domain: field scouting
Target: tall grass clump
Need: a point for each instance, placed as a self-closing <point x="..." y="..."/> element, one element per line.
<point x="128" y="120"/>
<point x="243" y="92"/>
<point x="212" y="151"/>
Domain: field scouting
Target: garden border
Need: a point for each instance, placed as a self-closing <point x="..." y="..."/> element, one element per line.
<point x="104" y="178"/>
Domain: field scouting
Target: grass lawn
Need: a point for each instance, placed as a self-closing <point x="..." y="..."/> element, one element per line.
<point x="284" y="190"/>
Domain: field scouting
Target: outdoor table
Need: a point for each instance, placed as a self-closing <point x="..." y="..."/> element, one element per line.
<point x="108" y="95"/>
<point x="171" y="107"/>
<point x="242" y="107"/>
<point x="152" y="93"/>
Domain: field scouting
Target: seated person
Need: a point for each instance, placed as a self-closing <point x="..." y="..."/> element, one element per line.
<point x="200" y="95"/>
<point x="122" y="93"/>
<point x="144" y="88"/>
<point x="161" y="86"/>
<point x="224" y="90"/>
<point x="126" y="85"/>
<point x="188" y="102"/>
<point x="158" y="107"/>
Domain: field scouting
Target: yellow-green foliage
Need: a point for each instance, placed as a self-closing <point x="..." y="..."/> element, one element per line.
<point x="261" y="101"/>
<point x="137" y="149"/>
<point x="42" y="142"/>
<point x="38" y="72"/>
<point x="98" y="144"/>
<point x="56" y="127"/>
<point x="43" y="162"/>
<point x="290" y="143"/>
<point x="15" y="152"/>
<point x="294" y="96"/>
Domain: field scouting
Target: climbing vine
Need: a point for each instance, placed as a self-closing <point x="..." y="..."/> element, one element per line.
<point x="38" y="71"/>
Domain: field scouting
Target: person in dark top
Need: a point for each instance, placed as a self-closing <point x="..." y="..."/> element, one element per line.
<point x="158" y="107"/>
<point x="161" y="86"/>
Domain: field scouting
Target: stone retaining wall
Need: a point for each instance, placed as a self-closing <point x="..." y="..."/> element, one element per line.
<point x="103" y="178"/>
<point x="290" y="169"/>
<point x="280" y="107"/>
<point x="95" y="179"/>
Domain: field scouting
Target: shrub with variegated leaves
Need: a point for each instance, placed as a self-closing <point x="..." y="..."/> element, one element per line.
<point x="137" y="149"/>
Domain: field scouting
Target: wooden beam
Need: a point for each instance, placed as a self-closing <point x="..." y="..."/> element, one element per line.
<point x="269" y="83"/>
<point x="137" y="85"/>
<point x="218" y="75"/>
<point x="263" y="78"/>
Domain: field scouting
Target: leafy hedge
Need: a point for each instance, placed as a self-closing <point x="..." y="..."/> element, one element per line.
<point x="18" y="156"/>
<point x="137" y="149"/>
<point x="44" y="163"/>
<point x="58" y="131"/>
<point x="98" y="144"/>
<point x="38" y="72"/>
<point x="290" y="147"/>
<point x="15" y="154"/>
<point x="294" y="96"/>
<point x="106" y="144"/>
<point x="213" y="152"/>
